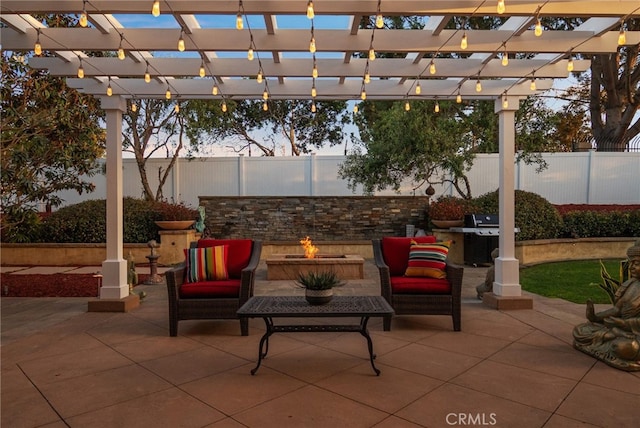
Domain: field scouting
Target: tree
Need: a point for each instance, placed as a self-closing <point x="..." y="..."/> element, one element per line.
<point x="246" y="124"/>
<point x="51" y="139"/>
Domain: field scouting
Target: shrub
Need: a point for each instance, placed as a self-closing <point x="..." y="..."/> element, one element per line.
<point x="447" y="208"/>
<point x="586" y="224"/>
<point x="86" y="222"/>
<point x="534" y="215"/>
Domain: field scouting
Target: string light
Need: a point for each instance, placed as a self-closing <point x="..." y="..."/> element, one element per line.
<point x="532" y="86"/>
<point x="313" y="107"/>
<point x="239" y="21"/>
<point x="265" y="106"/>
<point x="355" y="109"/>
<point x="224" y="106"/>
<point x="314" y="72"/>
<point x="177" y="108"/>
<point x="458" y="97"/>
<point x="147" y="76"/>
<point x="432" y="67"/>
<point x="418" y="89"/>
<point x="167" y="94"/>
<point x="436" y="108"/>
<point x="259" y="77"/>
<point x="464" y="42"/>
<point x="121" y="54"/>
<point x="538" y="28"/>
<point x="310" y="12"/>
<point x="367" y="77"/>
<point x="37" y="48"/>
<point x="501" y="7"/>
<point x="622" y="37"/>
<point x="314" y="92"/>
<point x="570" y="65"/>
<point x="109" y="90"/>
<point x="181" y="41"/>
<point x="202" y="72"/>
<point x="505" y="57"/>
<point x="80" y="70"/>
<point x="505" y="101"/>
<point x="478" y="86"/>
<point x="363" y="94"/>
<point x="312" y="44"/>
<point x="265" y="94"/>
<point x="372" y="54"/>
<point x="379" y="21"/>
<point x="84" y="19"/>
<point x="250" y="51"/>
<point x="134" y="106"/>
<point x="214" y="90"/>
<point x="407" y="106"/>
<point x="155" y="9"/>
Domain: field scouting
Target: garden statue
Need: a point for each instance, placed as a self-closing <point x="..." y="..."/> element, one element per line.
<point x="487" y="285"/>
<point x="200" y="222"/>
<point x="613" y="335"/>
<point x="132" y="276"/>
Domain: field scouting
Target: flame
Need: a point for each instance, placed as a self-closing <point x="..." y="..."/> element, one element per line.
<point x="310" y="250"/>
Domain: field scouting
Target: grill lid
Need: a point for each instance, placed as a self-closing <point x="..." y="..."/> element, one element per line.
<point x="481" y="220"/>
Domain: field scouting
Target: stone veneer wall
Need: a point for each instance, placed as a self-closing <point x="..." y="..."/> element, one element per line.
<point x="323" y="218"/>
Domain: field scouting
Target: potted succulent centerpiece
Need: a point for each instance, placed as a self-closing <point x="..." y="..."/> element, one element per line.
<point x="174" y="216"/>
<point x="447" y="211"/>
<point x="318" y="286"/>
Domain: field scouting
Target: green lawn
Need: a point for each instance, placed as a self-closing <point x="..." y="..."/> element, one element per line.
<point x="568" y="280"/>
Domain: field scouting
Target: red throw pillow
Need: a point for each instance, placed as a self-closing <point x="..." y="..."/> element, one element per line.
<point x="395" y="251"/>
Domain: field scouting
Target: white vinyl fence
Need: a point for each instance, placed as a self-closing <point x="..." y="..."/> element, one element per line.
<point x="577" y="178"/>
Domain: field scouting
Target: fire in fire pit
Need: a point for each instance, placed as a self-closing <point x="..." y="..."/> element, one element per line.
<point x="310" y="250"/>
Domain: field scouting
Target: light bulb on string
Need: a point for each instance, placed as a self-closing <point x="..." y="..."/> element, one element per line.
<point x="505" y="102"/>
<point x="109" y="89"/>
<point x="314" y="72"/>
<point x="538" y="28"/>
<point x="500" y="8"/>
<point x="155" y="9"/>
<point x="177" y="108"/>
<point x="314" y="92"/>
<point x="147" y="76"/>
<point x="372" y="54"/>
<point x="310" y="12"/>
<point x="458" y="98"/>
<point x="532" y="86"/>
<point x="622" y="37"/>
<point x="167" y="94"/>
<point x="250" y="54"/>
<point x="259" y="77"/>
<point x="505" y="57"/>
<point x="239" y="21"/>
<point x="432" y="67"/>
<point x="379" y="20"/>
<point x="313" y="107"/>
<point x="363" y="95"/>
<point x="224" y="106"/>
<point x="202" y="71"/>
<point x="265" y="94"/>
<point x="407" y="106"/>
<point x="84" y="18"/>
<point x="367" y="77"/>
<point x="80" y="70"/>
<point x="214" y="90"/>
<point x="37" y="48"/>
<point x="134" y="106"/>
<point x="464" y="43"/>
<point x="436" y="108"/>
<point x="181" y="46"/>
<point x="265" y="106"/>
<point x="355" y="109"/>
<point x="312" y="45"/>
<point x="570" y="65"/>
<point x="478" y="86"/>
<point x="418" y="89"/>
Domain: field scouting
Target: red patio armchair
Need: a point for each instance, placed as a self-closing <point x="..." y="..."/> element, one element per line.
<point x="191" y="297"/>
<point x="416" y="295"/>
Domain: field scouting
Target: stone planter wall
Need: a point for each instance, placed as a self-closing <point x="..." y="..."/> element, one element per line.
<point x="322" y="218"/>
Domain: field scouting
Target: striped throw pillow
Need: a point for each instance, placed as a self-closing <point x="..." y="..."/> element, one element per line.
<point x="428" y="260"/>
<point x="207" y="263"/>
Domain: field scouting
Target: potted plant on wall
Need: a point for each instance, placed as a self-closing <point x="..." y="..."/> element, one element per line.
<point x="318" y="286"/>
<point x="447" y="211"/>
<point x="174" y="216"/>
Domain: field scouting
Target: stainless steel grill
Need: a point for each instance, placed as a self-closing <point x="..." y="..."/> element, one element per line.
<point x="481" y="233"/>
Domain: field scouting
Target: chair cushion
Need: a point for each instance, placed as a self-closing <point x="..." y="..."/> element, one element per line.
<point x="395" y="251"/>
<point x="210" y="289"/>
<point x="419" y="285"/>
<point x="429" y="260"/>
<point x="205" y="264"/>
<point x="238" y="255"/>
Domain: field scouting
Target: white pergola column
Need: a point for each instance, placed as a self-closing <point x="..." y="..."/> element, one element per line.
<point x="114" y="268"/>
<point x="507" y="273"/>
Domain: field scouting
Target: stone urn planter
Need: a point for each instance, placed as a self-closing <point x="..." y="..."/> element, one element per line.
<point x="445" y="224"/>
<point x="174" y="224"/>
<point x="318" y="297"/>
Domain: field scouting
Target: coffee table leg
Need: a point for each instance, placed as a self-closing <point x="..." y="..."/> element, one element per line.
<point x="365" y="333"/>
<point x="263" y="348"/>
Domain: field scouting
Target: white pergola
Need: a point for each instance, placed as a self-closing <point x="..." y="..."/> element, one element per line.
<point x="213" y="63"/>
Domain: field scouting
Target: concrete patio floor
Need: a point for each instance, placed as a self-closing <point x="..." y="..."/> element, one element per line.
<point x="65" y="367"/>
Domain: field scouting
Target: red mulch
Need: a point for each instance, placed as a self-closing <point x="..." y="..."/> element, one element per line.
<point x="51" y="285"/>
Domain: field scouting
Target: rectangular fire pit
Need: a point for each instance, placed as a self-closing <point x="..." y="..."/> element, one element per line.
<point x="289" y="266"/>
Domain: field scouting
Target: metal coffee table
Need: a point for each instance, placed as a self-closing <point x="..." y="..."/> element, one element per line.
<point x="270" y="307"/>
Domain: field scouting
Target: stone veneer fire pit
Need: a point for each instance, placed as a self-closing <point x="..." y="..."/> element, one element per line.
<point x="286" y="266"/>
